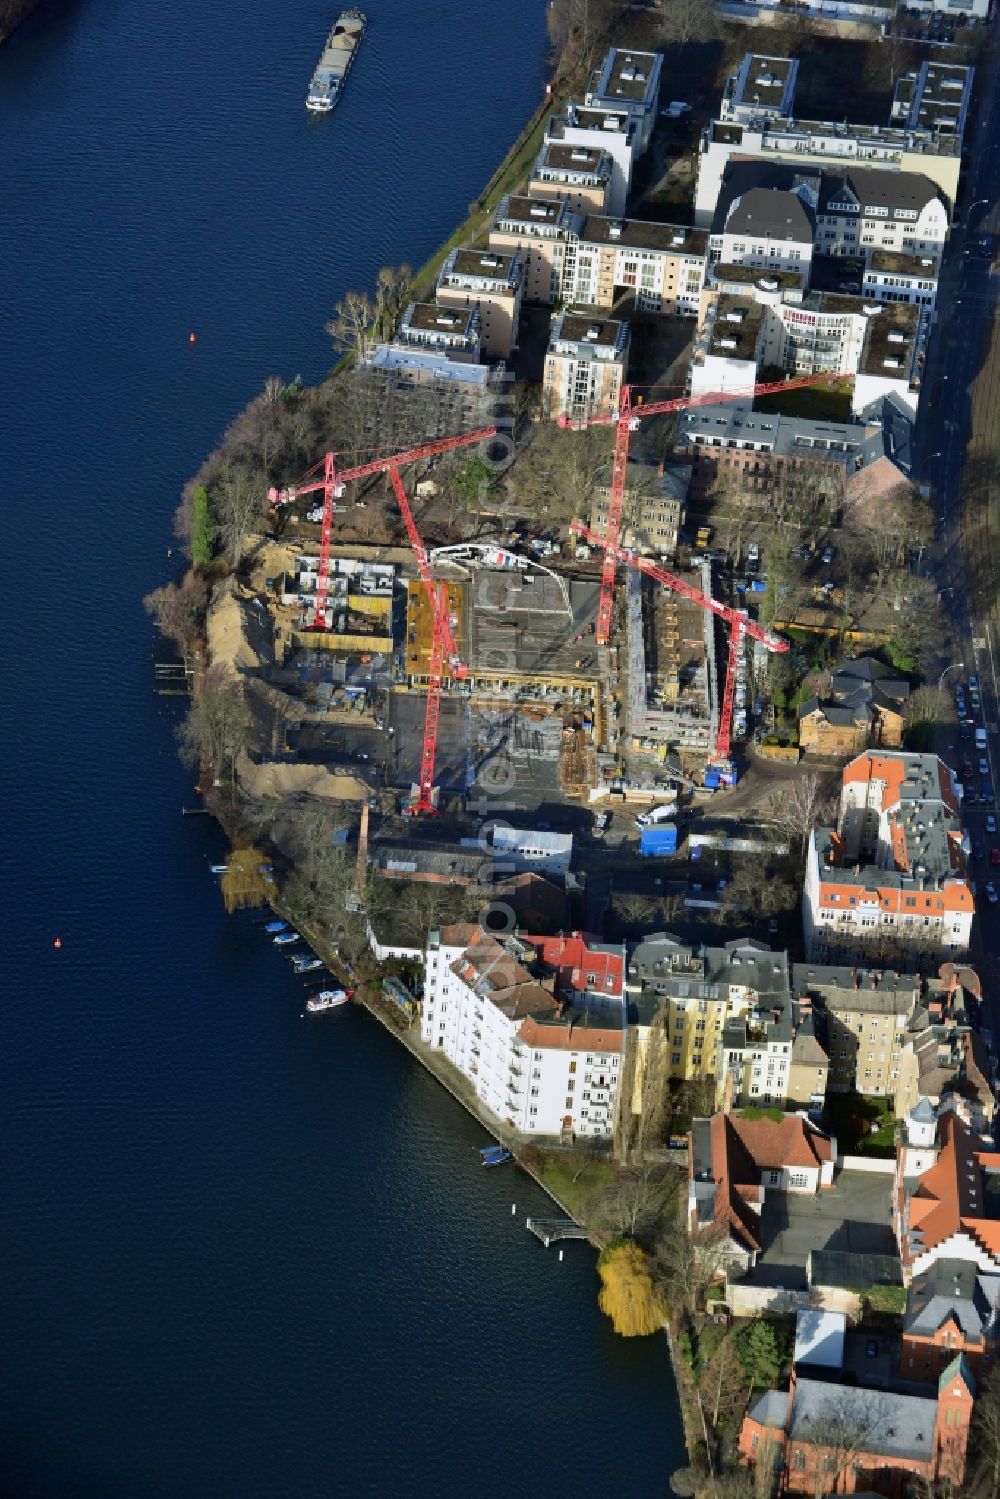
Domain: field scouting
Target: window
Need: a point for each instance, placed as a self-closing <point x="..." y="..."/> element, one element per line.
<point x="572" y="1068"/>
<point x="569" y="1103"/>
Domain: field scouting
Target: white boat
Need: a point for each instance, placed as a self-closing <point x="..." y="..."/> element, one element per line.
<point x="336" y="61"/>
<point x="326" y="999"/>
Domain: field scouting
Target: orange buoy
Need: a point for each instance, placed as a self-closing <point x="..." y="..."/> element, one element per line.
<point x="192" y="338"/>
<point x="57" y="942"/>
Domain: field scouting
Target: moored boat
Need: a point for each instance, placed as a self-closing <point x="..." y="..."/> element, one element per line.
<point x="326" y="999"/>
<point x="336" y="61"/>
<point x="285" y="939"/>
<point x="275" y="926"/>
<point x="304" y="964"/>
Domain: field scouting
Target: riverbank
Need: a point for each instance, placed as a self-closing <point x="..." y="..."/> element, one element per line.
<point x="12" y="13"/>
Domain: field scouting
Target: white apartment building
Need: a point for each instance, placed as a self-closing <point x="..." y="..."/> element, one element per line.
<point x="862" y="210"/>
<point x="761" y="85"/>
<point x="629" y="81"/>
<point x="585" y="366"/>
<point x="757" y="120"/>
<point x="601" y="128"/>
<point x="890" y="882"/>
<point x="768" y="227"/>
<point x="497" y="1012"/>
<point x="663" y="265"/>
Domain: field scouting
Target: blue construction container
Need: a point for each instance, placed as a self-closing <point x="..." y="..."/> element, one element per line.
<point x="658" y="841"/>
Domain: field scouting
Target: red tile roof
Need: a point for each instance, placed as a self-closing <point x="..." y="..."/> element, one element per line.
<point x="950" y="1197"/>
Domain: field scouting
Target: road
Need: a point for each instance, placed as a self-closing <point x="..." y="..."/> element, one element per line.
<point x="955" y="422"/>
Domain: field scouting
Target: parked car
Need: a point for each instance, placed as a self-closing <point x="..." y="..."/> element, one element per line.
<point x="753" y="554"/>
<point x="871" y="1349"/>
<point x="827" y="555"/>
<point x="995" y="855"/>
<point x="977" y="850"/>
<point x="973" y="684"/>
<point x="991" y="822"/>
<point x="991" y="892"/>
<point x="964" y="731"/>
<point x="984" y="766"/>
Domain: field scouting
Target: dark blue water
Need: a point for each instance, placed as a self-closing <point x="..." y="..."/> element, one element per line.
<point x="244" y="1255"/>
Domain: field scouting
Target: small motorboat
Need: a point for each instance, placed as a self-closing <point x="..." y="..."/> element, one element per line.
<point x="302" y="964"/>
<point x="219" y="868"/>
<point x="275" y="926"/>
<point x="494" y="1155"/>
<point x="326" y="999"/>
<point x="285" y="939"/>
<point x="498" y="1158"/>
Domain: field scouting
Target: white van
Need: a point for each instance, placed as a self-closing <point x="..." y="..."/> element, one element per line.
<point x="664" y="813"/>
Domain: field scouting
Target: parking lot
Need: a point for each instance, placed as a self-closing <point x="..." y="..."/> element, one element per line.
<point x="852" y="1216"/>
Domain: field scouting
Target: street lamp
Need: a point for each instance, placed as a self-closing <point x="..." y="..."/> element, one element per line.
<point x="955" y="666"/>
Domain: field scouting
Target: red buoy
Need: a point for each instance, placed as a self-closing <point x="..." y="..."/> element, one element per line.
<point x="192" y="338"/>
<point x="57" y="942"/>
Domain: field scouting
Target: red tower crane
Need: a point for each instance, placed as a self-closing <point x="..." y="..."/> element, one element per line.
<point x="625" y="423"/>
<point x="333" y="482"/>
<point x="739" y="623"/>
<point x="443" y="648"/>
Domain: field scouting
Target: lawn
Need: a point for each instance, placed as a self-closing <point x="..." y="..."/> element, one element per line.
<point x="575" y="1186"/>
<point x="851" y="1118"/>
<point x="817" y="403"/>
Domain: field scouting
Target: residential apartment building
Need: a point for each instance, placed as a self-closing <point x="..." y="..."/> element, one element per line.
<point x="941" y="1212"/>
<point x="654" y="506"/>
<point x="693" y="992"/>
<point x="767" y="228"/>
<point x="760" y="453"/>
<point x="661" y="265"/>
<point x="865" y="706"/>
<point x="894" y="1439"/>
<point x="891" y="276"/>
<point x="489" y="284"/>
<point x="761" y="85"/>
<point x="757" y="119"/>
<point x="729" y="348"/>
<point x="579" y="176"/>
<point x="450" y="331"/>
<point x="891" y="879"/>
<point x="629" y="82"/>
<point x="866" y="1014"/>
<point x="773" y="1055"/>
<point x="601" y="128"/>
<point x="585" y="366"/>
<point x="934" y="97"/>
<point x="734" y="1163"/>
<point x="499" y="1011"/>
<point x="537" y="229"/>
<point x="865" y="209"/>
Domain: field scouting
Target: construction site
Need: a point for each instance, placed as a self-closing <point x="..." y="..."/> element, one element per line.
<point x="416" y="680"/>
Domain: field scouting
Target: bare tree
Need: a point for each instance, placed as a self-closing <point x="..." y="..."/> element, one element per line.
<point x="985" y="1436"/>
<point x="353" y="324"/>
<point x="688" y="1263"/>
<point x="392" y="287"/>
<point x="637" y="1200"/>
<point x="687" y="21"/>
<point x="804" y="807"/>
<point x="179" y="610"/>
<point x="237" y="508"/>
<point x="217" y="727"/>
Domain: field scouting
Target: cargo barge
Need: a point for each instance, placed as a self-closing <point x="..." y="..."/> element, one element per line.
<point x="336" y="61"/>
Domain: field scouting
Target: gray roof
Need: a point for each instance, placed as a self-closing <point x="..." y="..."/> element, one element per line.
<point x="773" y="212"/>
<point x="887" y="1424"/>
<point x="873" y="991"/>
<point x="848" y="675"/>
<point x="876" y="187"/>
<point x="851" y="1271"/>
<point x="770" y="1409"/>
<point x="952" y="1288"/>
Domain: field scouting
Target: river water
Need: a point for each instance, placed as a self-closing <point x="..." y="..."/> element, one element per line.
<point x="245" y="1256"/>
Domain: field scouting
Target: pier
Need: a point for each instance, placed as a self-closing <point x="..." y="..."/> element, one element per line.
<point x="550" y="1230"/>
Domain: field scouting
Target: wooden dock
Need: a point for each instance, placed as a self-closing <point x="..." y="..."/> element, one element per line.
<point x="550" y="1230"/>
